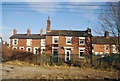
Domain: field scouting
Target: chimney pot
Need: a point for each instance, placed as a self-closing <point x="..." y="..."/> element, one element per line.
<point x="41" y="32"/>
<point x="14" y="31"/>
<point x="106" y="34"/>
<point x="28" y="31"/>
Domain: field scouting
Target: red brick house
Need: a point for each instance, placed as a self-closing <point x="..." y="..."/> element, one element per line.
<point x="104" y="44"/>
<point x="54" y="42"/>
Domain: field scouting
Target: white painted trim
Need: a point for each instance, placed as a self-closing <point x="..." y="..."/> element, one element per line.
<point x="81" y="38"/>
<point x="54" y="48"/>
<point x="30" y="49"/>
<point x="68" y="38"/>
<point x="66" y="54"/>
<point x="42" y="49"/>
<point x="42" y="42"/>
<point x="35" y="50"/>
<point x="13" y="41"/>
<point x="53" y="39"/>
<point x="30" y="40"/>
<point x="14" y="47"/>
<point x="68" y="47"/>
<point x="81" y="48"/>
<point x="20" y="48"/>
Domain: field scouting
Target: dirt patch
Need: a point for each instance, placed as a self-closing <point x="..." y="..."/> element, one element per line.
<point x="47" y="72"/>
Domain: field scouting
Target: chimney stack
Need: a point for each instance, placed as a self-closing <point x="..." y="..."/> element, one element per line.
<point x="41" y="32"/>
<point x="48" y="29"/>
<point x="14" y="31"/>
<point x="106" y="34"/>
<point x="88" y="31"/>
<point x="28" y="31"/>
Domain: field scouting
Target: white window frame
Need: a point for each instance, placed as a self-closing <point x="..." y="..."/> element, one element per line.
<point x="14" y="47"/>
<point x="42" y="50"/>
<point x="28" y="42"/>
<point x="42" y="42"/>
<point x="81" y="48"/>
<point x="67" y="39"/>
<point x="53" y="39"/>
<point x="70" y="51"/>
<point x="83" y="41"/>
<point x="27" y="49"/>
<point x="21" y="47"/>
<point x="13" y="41"/>
<point x="35" y="51"/>
<point x="105" y="46"/>
<point x="54" y="48"/>
<point x="96" y="53"/>
<point x="114" y="48"/>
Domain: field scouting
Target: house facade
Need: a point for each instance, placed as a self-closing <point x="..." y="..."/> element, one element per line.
<point x="54" y="42"/>
<point x="104" y="44"/>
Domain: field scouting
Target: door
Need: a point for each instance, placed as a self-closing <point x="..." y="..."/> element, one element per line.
<point x="55" y="55"/>
<point x="67" y="55"/>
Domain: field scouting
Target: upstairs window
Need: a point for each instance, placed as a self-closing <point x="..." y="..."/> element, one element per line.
<point x="42" y="42"/>
<point x="81" y="40"/>
<point x="68" y="40"/>
<point x="106" y="47"/>
<point x="114" y="48"/>
<point x="55" y="40"/>
<point x="29" y="42"/>
<point x="15" y="41"/>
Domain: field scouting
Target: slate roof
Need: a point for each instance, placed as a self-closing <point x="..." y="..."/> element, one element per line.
<point x="52" y="33"/>
<point x="67" y="33"/>
<point x="25" y="36"/>
<point x="104" y="40"/>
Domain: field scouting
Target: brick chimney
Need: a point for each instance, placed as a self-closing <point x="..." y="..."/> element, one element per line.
<point x="28" y="31"/>
<point x="14" y="31"/>
<point x="88" y="31"/>
<point x="106" y="34"/>
<point x="41" y="32"/>
<point x="48" y="29"/>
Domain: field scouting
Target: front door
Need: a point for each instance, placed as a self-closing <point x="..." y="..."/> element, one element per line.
<point x="67" y="54"/>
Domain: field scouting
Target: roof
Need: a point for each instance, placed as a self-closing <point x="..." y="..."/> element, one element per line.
<point x="67" y="33"/>
<point x="104" y="40"/>
<point x="25" y="36"/>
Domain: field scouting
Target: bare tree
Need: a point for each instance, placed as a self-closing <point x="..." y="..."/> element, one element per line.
<point x="110" y="20"/>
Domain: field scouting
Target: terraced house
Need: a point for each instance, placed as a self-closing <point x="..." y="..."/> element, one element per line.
<point x="104" y="44"/>
<point x="66" y="42"/>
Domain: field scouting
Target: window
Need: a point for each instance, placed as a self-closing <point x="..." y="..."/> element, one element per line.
<point x="42" y="50"/>
<point x="106" y="47"/>
<point x="22" y="48"/>
<point x="36" y="51"/>
<point x="81" y="40"/>
<point x="29" y="49"/>
<point x="68" y="40"/>
<point x="96" y="53"/>
<point x="42" y="42"/>
<point x="29" y="42"/>
<point x="81" y="52"/>
<point x="114" y="48"/>
<point x="15" y="41"/>
<point x="14" y="48"/>
<point x="55" y="39"/>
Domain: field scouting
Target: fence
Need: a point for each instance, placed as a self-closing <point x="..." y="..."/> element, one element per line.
<point x="74" y="58"/>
